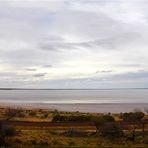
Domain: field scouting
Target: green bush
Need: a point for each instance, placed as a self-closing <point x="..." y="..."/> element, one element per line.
<point x="101" y="119"/>
<point x="72" y="118"/>
<point x="111" y="131"/>
<point x="133" y="116"/>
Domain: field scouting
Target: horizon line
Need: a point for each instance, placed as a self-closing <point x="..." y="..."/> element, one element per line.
<point x="69" y="88"/>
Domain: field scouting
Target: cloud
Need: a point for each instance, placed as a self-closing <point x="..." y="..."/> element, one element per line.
<point x="131" y="75"/>
<point x="126" y="77"/>
<point x="33" y="4"/>
<point x="39" y="75"/>
<point x="107" y="43"/>
<point x="104" y="71"/>
<point x="116" y="41"/>
<point x="71" y="40"/>
<point x="7" y="74"/>
<point x="47" y="66"/>
<point x="139" y="79"/>
<point x="30" y="69"/>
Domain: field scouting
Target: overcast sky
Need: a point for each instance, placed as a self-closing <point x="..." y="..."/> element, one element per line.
<point x="74" y="43"/>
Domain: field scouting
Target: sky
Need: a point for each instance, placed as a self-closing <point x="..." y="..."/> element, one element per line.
<point x="73" y="44"/>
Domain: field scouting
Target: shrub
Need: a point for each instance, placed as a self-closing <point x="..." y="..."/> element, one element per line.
<point x="111" y="131"/>
<point x="32" y="113"/>
<point x="74" y="132"/>
<point x="132" y="117"/>
<point x="101" y="119"/>
<point x="58" y="118"/>
<point x="71" y="118"/>
<point x="45" y="115"/>
<point x="6" y="132"/>
<point x="10" y="113"/>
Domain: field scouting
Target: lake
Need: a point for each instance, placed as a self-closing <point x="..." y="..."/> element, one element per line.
<point x="82" y="100"/>
<point x="75" y="96"/>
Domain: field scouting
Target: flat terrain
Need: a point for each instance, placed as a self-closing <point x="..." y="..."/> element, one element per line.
<point x="34" y="128"/>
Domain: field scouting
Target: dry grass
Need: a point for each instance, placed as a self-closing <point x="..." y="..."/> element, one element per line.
<point x="38" y="137"/>
<point x="54" y="138"/>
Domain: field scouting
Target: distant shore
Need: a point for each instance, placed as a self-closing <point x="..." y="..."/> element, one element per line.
<point x="70" y="88"/>
<point x="82" y="107"/>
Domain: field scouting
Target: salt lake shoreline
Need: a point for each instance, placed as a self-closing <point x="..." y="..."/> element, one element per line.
<point x="81" y="107"/>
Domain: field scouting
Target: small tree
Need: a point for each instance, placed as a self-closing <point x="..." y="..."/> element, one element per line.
<point x="111" y="131"/>
<point x="133" y="117"/>
<point x="106" y="126"/>
<point x="100" y="120"/>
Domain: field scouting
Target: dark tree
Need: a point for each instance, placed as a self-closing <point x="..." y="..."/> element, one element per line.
<point x="101" y="120"/>
<point x="133" y="117"/>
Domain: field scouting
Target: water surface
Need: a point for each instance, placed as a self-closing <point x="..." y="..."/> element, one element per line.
<point x="74" y="96"/>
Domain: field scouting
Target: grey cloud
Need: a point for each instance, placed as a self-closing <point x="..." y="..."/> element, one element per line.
<point x="118" y="40"/>
<point x="132" y="75"/>
<point x="115" y="78"/>
<point x="8" y="74"/>
<point x="126" y="80"/>
<point x="47" y="66"/>
<point x="58" y="46"/>
<point x="104" y="71"/>
<point x="112" y="42"/>
<point x="137" y="75"/>
<point x="140" y="78"/>
<point x="76" y="23"/>
<point x="30" y="69"/>
<point x="39" y="75"/>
